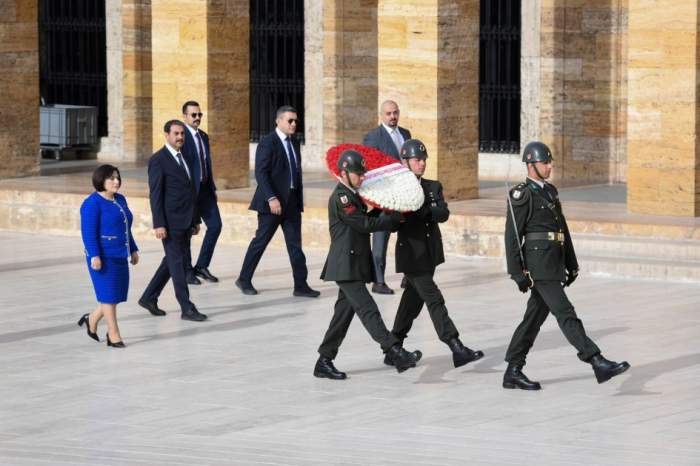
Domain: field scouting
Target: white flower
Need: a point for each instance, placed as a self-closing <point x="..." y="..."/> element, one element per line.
<point x="393" y="187"/>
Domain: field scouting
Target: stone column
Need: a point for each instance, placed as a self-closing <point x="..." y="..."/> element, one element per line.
<point x="663" y="107"/>
<point x="19" y="89"/>
<point x="349" y="70"/>
<point x="428" y="54"/>
<point x="201" y="52"/>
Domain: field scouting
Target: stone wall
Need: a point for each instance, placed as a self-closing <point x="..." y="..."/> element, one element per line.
<point x="583" y="87"/>
<point x="19" y="89"/>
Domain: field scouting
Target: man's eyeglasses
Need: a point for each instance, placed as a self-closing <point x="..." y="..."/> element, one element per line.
<point x="293" y="120"/>
<point x="195" y="115"/>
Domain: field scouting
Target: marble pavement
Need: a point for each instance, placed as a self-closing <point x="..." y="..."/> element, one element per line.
<point x="238" y="389"/>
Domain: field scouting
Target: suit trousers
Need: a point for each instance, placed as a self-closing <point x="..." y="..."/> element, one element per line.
<point x="420" y="289"/>
<point x="172" y="266"/>
<point x="353" y="298"/>
<point x="290" y="221"/>
<point x="380" y="243"/>
<point x="545" y="297"/>
<point x="209" y="211"/>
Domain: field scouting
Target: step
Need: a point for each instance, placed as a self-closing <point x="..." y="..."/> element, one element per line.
<point x="648" y="269"/>
<point x="637" y="247"/>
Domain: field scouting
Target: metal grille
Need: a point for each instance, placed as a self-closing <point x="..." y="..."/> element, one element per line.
<point x="276" y="63"/>
<point x="73" y="55"/>
<point x="499" y="76"/>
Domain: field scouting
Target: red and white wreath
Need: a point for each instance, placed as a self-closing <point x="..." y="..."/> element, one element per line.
<point x="388" y="185"/>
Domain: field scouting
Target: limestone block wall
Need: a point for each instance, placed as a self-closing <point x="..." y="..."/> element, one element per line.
<point x="200" y="51"/>
<point x="19" y="89"/>
<point x="663" y="108"/>
<point x="428" y="63"/>
<point x="583" y="87"/>
<point x="350" y="106"/>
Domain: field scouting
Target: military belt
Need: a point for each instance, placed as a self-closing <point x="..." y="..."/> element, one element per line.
<point x="545" y="235"/>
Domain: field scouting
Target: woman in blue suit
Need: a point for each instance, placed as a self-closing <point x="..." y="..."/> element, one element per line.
<point x="105" y="224"/>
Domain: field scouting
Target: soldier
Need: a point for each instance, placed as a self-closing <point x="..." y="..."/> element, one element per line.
<point x="534" y="211"/>
<point x="418" y="253"/>
<point x="349" y="264"/>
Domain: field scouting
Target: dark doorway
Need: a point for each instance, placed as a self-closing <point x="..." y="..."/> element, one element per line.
<point x="73" y="55"/>
<point x="499" y="76"/>
<point x="276" y="63"/>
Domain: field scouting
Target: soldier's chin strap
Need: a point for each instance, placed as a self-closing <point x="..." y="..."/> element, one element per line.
<point x="534" y="167"/>
<point x="347" y="178"/>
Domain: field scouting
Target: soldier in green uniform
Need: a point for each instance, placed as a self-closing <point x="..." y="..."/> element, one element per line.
<point x="418" y="252"/>
<point x="548" y="261"/>
<point x="349" y="264"/>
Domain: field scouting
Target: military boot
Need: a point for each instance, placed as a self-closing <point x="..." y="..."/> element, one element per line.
<point x="387" y="358"/>
<point x="605" y="370"/>
<point x="514" y="378"/>
<point x="325" y="369"/>
<point x="462" y="355"/>
<point x="401" y="358"/>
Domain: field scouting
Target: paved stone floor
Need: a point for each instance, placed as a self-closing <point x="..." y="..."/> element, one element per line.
<point x="238" y="389"/>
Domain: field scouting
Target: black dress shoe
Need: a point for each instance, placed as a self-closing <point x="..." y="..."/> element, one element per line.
<point x="204" y="273"/>
<point x="381" y="288"/>
<point x="324" y="369"/>
<point x="605" y="370"/>
<point x="514" y="378"/>
<point x="462" y="355"/>
<point x="402" y="359"/>
<point x="306" y="292"/>
<point x="152" y="307"/>
<point x="387" y="359"/>
<point x="192" y="280"/>
<point x="193" y="315"/>
<point x="86" y="320"/>
<point x="116" y="344"/>
<point x="246" y="286"/>
<point x="403" y="281"/>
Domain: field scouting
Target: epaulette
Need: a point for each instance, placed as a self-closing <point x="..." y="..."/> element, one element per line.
<point x="520" y="194"/>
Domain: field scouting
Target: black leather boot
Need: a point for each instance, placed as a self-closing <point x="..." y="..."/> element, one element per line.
<point x="514" y="378"/>
<point x="401" y="358"/>
<point x="325" y="369"/>
<point x="387" y="358"/>
<point x="462" y="355"/>
<point x="606" y="370"/>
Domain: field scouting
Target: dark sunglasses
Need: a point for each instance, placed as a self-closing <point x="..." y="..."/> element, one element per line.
<point x="293" y="120"/>
<point x="195" y="115"/>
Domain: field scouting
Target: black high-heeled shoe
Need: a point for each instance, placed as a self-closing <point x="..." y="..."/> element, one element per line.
<point x="116" y="344"/>
<point x="86" y="320"/>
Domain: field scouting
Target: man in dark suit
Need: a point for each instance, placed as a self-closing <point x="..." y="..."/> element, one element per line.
<point x="279" y="201"/>
<point x="418" y="253"/>
<point x="534" y="213"/>
<point x="350" y="266"/>
<point x="173" y="199"/>
<point x="197" y="148"/>
<point x="388" y="137"/>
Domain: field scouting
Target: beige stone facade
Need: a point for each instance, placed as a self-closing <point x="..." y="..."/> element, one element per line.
<point x="608" y="84"/>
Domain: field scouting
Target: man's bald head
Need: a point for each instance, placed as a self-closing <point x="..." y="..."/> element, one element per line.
<point x="389" y="113"/>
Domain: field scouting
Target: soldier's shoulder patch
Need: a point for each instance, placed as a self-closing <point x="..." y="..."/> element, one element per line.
<point x="520" y="194"/>
<point x="344" y="199"/>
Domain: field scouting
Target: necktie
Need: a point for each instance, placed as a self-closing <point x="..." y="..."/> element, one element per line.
<point x="292" y="162"/>
<point x="201" y="158"/>
<point x="548" y="192"/>
<point x="395" y="136"/>
<point x="182" y="165"/>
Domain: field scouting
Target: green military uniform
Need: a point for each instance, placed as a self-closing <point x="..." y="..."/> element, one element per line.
<point x="549" y="254"/>
<point x="418" y="252"/>
<point x="349" y="264"/>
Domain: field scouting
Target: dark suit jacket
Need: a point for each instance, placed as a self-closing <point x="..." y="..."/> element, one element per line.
<point x="273" y="174"/>
<point x="379" y="138"/>
<point x="546" y="260"/>
<point x="350" y="256"/>
<point x="419" y="241"/>
<point x="190" y="146"/>
<point x="173" y="197"/>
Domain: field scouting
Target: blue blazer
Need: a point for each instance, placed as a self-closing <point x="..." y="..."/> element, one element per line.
<point x="190" y="146"/>
<point x="379" y="139"/>
<point x="273" y="174"/>
<point x="173" y="197"/>
<point x="106" y="227"/>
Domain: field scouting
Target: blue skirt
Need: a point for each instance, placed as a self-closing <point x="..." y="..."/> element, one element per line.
<point x="111" y="282"/>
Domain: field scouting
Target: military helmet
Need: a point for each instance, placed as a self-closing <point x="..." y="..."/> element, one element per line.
<point x="537" y="152"/>
<point x="413" y="149"/>
<point x="351" y="161"/>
